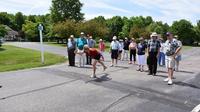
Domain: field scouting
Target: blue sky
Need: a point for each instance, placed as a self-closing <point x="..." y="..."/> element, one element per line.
<point x="164" y="10"/>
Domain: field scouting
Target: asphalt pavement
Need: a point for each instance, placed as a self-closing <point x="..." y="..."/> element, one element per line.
<point x="60" y="88"/>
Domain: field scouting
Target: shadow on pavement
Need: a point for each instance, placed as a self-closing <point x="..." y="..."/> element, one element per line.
<point x="103" y="78"/>
<point x="186" y="85"/>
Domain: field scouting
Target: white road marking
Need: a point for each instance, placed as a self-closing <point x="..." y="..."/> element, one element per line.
<point x="196" y="109"/>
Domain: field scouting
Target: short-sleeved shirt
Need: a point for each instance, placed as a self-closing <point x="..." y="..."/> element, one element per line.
<point x="91" y="43"/>
<point x="80" y="43"/>
<point x="126" y="45"/>
<point x="141" y="48"/>
<point x="171" y="47"/>
<point x="71" y="44"/>
<point x="153" y="45"/>
<point x="93" y="53"/>
<point x="121" y="46"/>
<point x="114" y="45"/>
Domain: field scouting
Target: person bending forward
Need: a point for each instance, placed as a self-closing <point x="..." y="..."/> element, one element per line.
<point x="95" y="55"/>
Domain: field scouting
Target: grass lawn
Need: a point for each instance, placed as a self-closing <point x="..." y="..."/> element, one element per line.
<point x="185" y="48"/>
<point x="15" y="58"/>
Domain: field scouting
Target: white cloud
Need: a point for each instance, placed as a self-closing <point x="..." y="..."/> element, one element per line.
<point x="102" y="5"/>
<point x="172" y="9"/>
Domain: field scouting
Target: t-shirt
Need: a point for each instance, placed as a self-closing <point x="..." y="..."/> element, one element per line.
<point x="114" y="45"/>
<point x="171" y="47"/>
<point x="141" y="48"/>
<point x="126" y="45"/>
<point x="91" y="43"/>
<point x="80" y="43"/>
<point x="133" y="45"/>
<point x="102" y="46"/>
<point x="121" y="46"/>
<point x="153" y="45"/>
<point x="93" y="52"/>
<point x="71" y="44"/>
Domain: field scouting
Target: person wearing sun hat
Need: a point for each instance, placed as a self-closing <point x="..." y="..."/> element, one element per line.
<point x="80" y="42"/>
<point x="121" y="46"/>
<point x="172" y="48"/>
<point x="71" y="47"/>
<point x="141" y="49"/>
<point x="114" y="50"/>
<point x="102" y="48"/>
<point x="126" y="49"/>
<point x="153" y="49"/>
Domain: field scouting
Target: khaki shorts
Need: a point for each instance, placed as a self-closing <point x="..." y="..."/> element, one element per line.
<point x="170" y="62"/>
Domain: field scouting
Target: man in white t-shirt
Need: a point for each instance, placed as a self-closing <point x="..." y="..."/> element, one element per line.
<point x="171" y="50"/>
<point x="114" y="50"/>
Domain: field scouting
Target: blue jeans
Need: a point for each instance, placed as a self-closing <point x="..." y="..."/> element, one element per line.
<point x="161" y="59"/>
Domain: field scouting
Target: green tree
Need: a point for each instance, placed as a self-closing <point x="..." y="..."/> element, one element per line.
<point x="32" y="18"/>
<point x="3" y="31"/>
<point x="64" y="29"/>
<point x="115" y="25"/>
<point x="94" y="28"/>
<point x="31" y="31"/>
<point x="184" y="29"/>
<point x="137" y="32"/>
<point x="66" y="9"/>
<point x="19" y="20"/>
<point x="127" y="26"/>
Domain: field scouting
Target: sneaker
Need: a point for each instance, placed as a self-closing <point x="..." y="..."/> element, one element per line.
<point x="138" y="69"/>
<point x="93" y="76"/>
<point x="0" y="86"/>
<point x="170" y="82"/>
<point x="111" y="65"/>
<point x="166" y="80"/>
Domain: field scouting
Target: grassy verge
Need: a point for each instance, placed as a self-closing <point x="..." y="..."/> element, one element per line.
<point x="185" y="48"/>
<point x="14" y="58"/>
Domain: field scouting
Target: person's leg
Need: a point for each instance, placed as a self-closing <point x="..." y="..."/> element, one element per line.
<point x="155" y="66"/>
<point x="126" y="53"/>
<point x="160" y="59"/>
<point x="163" y="59"/>
<point x="73" y="58"/>
<point x="134" y="56"/>
<point x="94" y="69"/>
<point x="131" y="54"/>
<point x="104" y="67"/>
<point x="69" y="57"/>
<point x="150" y="64"/>
<point x="90" y="61"/>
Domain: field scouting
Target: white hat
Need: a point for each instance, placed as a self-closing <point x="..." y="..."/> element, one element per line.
<point x="71" y="36"/>
<point x="154" y="34"/>
<point x="100" y="40"/>
<point x="115" y="37"/>
<point x="82" y="33"/>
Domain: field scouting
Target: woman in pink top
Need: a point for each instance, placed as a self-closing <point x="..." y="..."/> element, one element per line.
<point x="132" y="50"/>
<point x="101" y="48"/>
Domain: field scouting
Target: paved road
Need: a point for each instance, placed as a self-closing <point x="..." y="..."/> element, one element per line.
<point x="60" y="88"/>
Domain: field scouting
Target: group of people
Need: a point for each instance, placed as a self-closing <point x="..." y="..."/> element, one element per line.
<point x="150" y="52"/>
